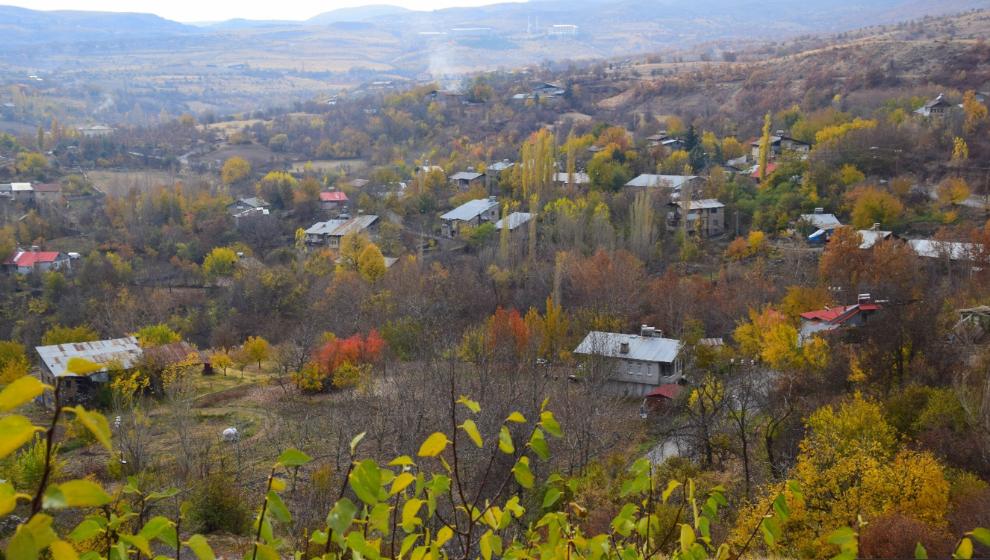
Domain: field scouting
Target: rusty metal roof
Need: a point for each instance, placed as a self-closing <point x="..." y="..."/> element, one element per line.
<point x="124" y="351"/>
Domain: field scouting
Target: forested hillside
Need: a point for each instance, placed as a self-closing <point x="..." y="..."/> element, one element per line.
<point x="727" y="303"/>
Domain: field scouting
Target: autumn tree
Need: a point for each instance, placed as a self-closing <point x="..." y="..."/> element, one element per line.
<point x="843" y="263"/>
<point x="58" y="334"/>
<point x="278" y="188"/>
<point x="952" y="190"/>
<point x="371" y="263"/>
<point x="975" y="112"/>
<point x="220" y="262"/>
<point x="257" y="349"/>
<point x="872" y="205"/>
<point x="773" y="338"/>
<point x="352" y="246"/>
<point x="764" y="155"/>
<point x="960" y="151"/>
<point x="222" y="360"/>
<point x="13" y="361"/>
<point x="642" y="230"/>
<point x="536" y="164"/>
<point x="235" y="170"/>
<point x="157" y="335"/>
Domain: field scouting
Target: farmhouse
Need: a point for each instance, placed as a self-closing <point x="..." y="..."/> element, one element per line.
<point x="833" y="318"/>
<point x="33" y="260"/>
<point x="780" y="143"/>
<point x="333" y="200"/>
<point x="79" y="385"/>
<point x="330" y="232"/>
<point x="579" y="178"/>
<point x="675" y="182"/>
<point x="472" y="213"/>
<point x="464" y="180"/>
<point x="242" y="205"/>
<point x="637" y="364"/>
<point x="705" y="217"/>
<point x="514" y="222"/>
<point x="937" y="107"/>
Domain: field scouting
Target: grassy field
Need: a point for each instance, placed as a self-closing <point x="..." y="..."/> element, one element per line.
<point x="118" y="183"/>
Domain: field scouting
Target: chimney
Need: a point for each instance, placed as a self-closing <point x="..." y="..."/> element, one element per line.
<point x="876" y="226"/>
<point x="646" y="330"/>
<point x="819" y="210"/>
<point x="35" y="248"/>
<point x="863" y="298"/>
<point x="493" y="198"/>
<point x="623" y="348"/>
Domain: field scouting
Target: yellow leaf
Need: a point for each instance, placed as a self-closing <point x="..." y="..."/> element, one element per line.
<point x="20" y="391"/>
<point x="443" y="535"/>
<point x="62" y="550"/>
<point x="96" y="423"/>
<point x="15" y="431"/>
<point x="76" y="493"/>
<point x="434" y="445"/>
<point x="517" y="418"/>
<point x="472" y="431"/>
<point x="401" y="482"/>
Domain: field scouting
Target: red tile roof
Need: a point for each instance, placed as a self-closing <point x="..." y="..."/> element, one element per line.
<point x="667" y="391"/>
<point x="771" y="167"/>
<point x="47" y="187"/>
<point x="839" y="314"/>
<point x="333" y="196"/>
<point x="31" y="258"/>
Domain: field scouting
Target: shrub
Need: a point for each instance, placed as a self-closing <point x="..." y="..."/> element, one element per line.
<point x="896" y="536"/>
<point x="217" y="504"/>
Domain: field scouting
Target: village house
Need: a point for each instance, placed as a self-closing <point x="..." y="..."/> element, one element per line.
<point x="937" y="107"/>
<point x="330" y="232"/>
<point x="493" y="173"/>
<point x="946" y="250"/>
<point x="674" y="182"/>
<point x="839" y="317"/>
<point x="705" y="217"/>
<point x="870" y="237"/>
<point x="464" y="180"/>
<point x="96" y="131"/>
<point x="34" y="260"/>
<point x="472" y="213"/>
<point x="515" y="222"/>
<point x="637" y="364"/>
<point x="333" y="201"/>
<point x="579" y="178"/>
<point x="47" y="193"/>
<point x="780" y="143"/>
<point x="18" y="192"/>
<point x="541" y="91"/>
<point x="122" y="353"/>
<point x="823" y="224"/>
<point x="252" y="204"/>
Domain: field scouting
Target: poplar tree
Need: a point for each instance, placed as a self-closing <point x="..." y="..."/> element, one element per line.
<point x="764" y="148"/>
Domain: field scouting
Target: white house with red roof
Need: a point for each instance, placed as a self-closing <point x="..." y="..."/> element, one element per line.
<point x="33" y="260"/>
<point x="832" y="318"/>
<point x="333" y="200"/>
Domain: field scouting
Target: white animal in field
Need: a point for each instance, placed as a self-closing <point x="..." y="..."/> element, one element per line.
<point x="231" y="434"/>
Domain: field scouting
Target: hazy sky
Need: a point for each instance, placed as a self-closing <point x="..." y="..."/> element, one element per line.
<point x="213" y="10"/>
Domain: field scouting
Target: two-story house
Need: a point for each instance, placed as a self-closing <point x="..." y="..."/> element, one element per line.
<point x="705" y="217"/>
<point x="472" y="213"/>
<point x="636" y="364"/>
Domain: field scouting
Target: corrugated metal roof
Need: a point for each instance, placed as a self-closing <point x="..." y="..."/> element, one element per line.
<point x="822" y="221"/>
<point x="465" y="176"/>
<point x="470" y="210"/>
<point x="954" y="250"/>
<point x="516" y="219"/>
<point x="340" y="228"/>
<point x="125" y="351"/>
<point x="670" y="181"/>
<point x="579" y="178"/>
<point x="871" y="237"/>
<point x="704" y="204"/>
<point x="642" y="348"/>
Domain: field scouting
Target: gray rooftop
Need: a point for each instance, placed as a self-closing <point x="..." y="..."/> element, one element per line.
<point x="670" y="181"/>
<point x="516" y="219"/>
<point x="340" y="228"/>
<point x="466" y="176"/>
<point x="703" y="204"/>
<point x="642" y="348"/>
<point x="124" y="351"/>
<point x="822" y="221"/>
<point x="470" y="210"/>
<point x="579" y="178"/>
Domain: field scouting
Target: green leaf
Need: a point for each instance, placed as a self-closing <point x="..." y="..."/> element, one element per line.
<point x="517" y="418"/>
<point x="379" y="518"/>
<point x="434" y="445"/>
<point x="550" y="497"/>
<point x="198" y="545"/>
<point x="522" y="473"/>
<point x="981" y="535"/>
<point x="919" y="552"/>
<point x="340" y="517"/>
<point x="15" y="431"/>
<point x="138" y="542"/>
<point x="505" y="441"/>
<point x="22" y="390"/>
<point x="75" y="493"/>
<point x="277" y="507"/>
<point x="538" y="444"/>
<point x="473" y="406"/>
<point x="472" y="431"/>
<point x="842" y="536"/>
<point x="86" y="530"/>
<point x="31" y="538"/>
<point x="155" y="527"/>
<point x="366" y="481"/>
<point x="550" y="424"/>
<point x="356" y="441"/>
<point x="965" y="549"/>
<point x="266" y="552"/>
<point x="96" y="423"/>
<point x="293" y="458"/>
